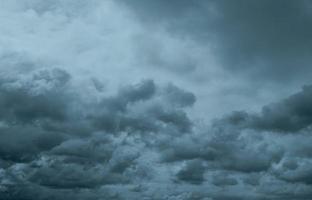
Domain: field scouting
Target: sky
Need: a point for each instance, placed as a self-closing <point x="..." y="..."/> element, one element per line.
<point x="155" y="99"/>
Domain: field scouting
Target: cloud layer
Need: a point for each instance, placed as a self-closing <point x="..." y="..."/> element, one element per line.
<point x="140" y="141"/>
<point x="114" y="100"/>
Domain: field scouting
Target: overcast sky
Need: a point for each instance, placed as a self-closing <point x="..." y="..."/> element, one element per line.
<point x="155" y="99"/>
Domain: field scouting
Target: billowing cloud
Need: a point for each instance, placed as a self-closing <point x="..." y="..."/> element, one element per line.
<point x="140" y="139"/>
<point x="289" y="115"/>
<point x="113" y="100"/>
<point x="47" y="142"/>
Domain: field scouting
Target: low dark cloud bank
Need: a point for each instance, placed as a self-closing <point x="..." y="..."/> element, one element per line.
<point x="85" y="115"/>
<point x="54" y="145"/>
<point x="51" y="138"/>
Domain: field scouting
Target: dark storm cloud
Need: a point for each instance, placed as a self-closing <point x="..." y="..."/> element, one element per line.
<point x="245" y="147"/>
<point x="141" y="92"/>
<point x="63" y="136"/>
<point x="24" y="143"/>
<point x="48" y="144"/>
<point x="178" y="96"/>
<point x="243" y="142"/>
<point x="129" y="95"/>
<point x="159" y="110"/>
<point x="265" y="39"/>
<point x="229" y="151"/>
<point x="24" y="106"/>
<point x="223" y="180"/>
<point x="295" y="171"/>
<point x="289" y="115"/>
<point x="193" y="172"/>
<point x="252" y="179"/>
<point x="25" y="102"/>
<point x="81" y="163"/>
<point x="30" y="192"/>
<point x="42" y="144"/>
<point x="93" y="149"/>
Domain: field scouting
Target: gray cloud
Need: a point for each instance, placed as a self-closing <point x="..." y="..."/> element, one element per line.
<point x="26" y="101"/>
<point x="40" y="145"/>
<point x="108" y="109"/>
<point x="289" y="115"/>
<point x="244" y="39"/>
<point x="193" y="172"/>
<point x="223" y="180"/>
<point x="295" y="171"/>
<point x="24" y="143"/>
<point x="158" y="110"/>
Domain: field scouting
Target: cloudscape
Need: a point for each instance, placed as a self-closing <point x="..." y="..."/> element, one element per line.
<point x="155" y="99"/>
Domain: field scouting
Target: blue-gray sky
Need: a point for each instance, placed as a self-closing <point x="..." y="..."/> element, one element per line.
<point x="155" y="99"/>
